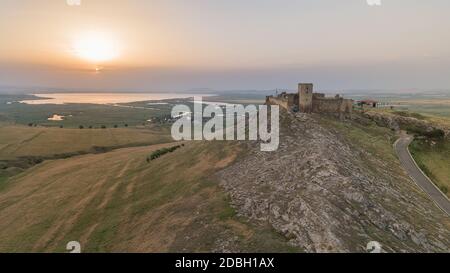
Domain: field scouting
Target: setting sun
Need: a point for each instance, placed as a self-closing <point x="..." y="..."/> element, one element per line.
<point x="95" y="47"/>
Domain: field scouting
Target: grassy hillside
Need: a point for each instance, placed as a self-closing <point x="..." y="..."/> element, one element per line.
<point x="117" y="202"/>
<point x="431" y="155"/>
<point x="434" y="159"/>
<point x="22" y="141"/>
<point x="434" y="118"/>
<point x="374" y="139"/>
<point x="334" y="186"/>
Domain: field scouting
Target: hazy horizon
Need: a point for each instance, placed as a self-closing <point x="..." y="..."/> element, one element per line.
<point x="162" y="46"/>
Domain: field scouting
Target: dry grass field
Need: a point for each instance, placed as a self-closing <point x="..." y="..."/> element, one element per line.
<point x="23" y="141"/>
<point x="117" y="202"/>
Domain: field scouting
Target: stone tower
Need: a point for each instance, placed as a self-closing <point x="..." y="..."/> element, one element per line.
<point x="305" y="92"/>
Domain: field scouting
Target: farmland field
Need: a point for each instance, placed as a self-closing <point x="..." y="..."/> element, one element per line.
<point x="76" y="115"/>
<point x="435" y="104"/>
<point x="21" y="141"/>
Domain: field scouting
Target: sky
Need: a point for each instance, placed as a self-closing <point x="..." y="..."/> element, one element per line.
<point x="177" y="45"/>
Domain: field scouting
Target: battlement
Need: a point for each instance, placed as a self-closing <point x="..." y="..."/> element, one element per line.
<point x="306" y="101"/>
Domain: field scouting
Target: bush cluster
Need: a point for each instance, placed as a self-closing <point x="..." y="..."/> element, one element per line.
<point x="433" y="134"/>
<point x="158" y="153"/>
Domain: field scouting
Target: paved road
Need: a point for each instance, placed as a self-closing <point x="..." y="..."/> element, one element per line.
<point x="401" y="147"/>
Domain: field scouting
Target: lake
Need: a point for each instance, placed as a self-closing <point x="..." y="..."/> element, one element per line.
<point x="104" y="98"/>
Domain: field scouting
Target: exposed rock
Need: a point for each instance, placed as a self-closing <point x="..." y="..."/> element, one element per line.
<point x="396" y="122"/>
<point x="319" y="191"/>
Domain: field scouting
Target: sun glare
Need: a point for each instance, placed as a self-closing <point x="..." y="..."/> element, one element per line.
<point x="95" y="47"/>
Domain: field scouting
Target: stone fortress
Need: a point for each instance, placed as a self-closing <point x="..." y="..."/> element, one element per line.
<point x="306" y="101"/>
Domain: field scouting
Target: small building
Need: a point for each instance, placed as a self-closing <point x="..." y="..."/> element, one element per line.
<point x="368" y="103"/>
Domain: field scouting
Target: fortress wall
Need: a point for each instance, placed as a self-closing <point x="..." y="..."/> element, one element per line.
<point x="292" y="100"/>
<point x="278" y="101"/>
<point x="347" y="106"/>
<point x="327" y="105"/>
<point x="307" y="102"/>
<point x="318" y="95"/>
<point x="319" y="104"/>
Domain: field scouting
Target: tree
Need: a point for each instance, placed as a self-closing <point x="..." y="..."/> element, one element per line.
<point x="81" y="127"/>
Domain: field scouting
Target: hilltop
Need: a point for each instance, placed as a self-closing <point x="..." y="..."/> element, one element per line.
<point x="335" y="186"/>
<point x="332" y="186"/>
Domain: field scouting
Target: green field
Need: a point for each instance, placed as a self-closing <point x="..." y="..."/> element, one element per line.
<point x="432" y="104"/>
<point x="76" y="115"/>
<point x="433" y="157"/>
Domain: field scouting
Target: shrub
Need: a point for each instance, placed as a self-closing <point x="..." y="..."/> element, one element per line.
<point x="81" y="127"/>
<point x="38" y="160"/>
<point x="103" y="127"/>
<point x="433" y="134"/>
<point x="158" y="153"/>
<point x="115" y="126"/>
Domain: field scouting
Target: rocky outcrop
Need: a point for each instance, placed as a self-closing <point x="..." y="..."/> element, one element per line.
<point x="326" y="195"/>
<point x="397" y="122"/>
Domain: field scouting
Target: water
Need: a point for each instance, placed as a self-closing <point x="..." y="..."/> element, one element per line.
<point x="104" y="98"/>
